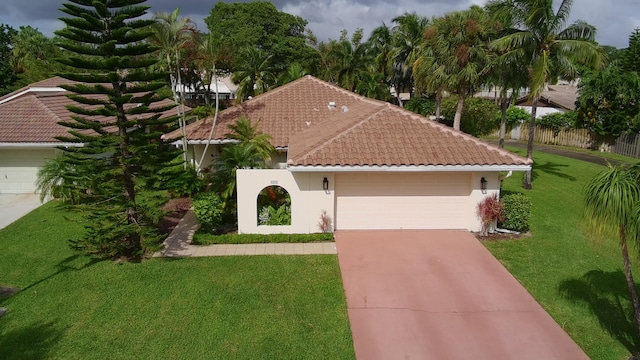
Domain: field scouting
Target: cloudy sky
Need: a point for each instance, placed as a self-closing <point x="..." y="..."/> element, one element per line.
<point x="615" y="20"/>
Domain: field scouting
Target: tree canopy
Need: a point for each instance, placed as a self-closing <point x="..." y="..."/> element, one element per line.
<point x="260" y="25"/>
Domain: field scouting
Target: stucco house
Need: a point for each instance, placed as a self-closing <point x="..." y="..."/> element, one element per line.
<point x="367" y="164"/>
<point x="28" y="124"/>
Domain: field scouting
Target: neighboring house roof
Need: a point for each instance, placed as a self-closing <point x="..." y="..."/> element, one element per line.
<point x="323" y="125"/>
<point x="384" y="135"/>
<point x="31" y="116"/>
<point x="559" y="96"/>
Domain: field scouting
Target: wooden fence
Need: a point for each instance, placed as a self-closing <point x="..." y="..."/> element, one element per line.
<point x="625" y="144"/>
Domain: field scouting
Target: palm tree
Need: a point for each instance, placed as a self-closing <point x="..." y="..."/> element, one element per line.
<point x="293" y="72"/>
<point x="548" y="49"/>
<point x="612" y="207"/>
<point x="458" y="54"/>
<point x="351" y="59"/>
<point x="171" y="34"/>
<point x="371" y="84"/>
<point x="246" y="132"/>
<point x="407" y="36"/>
<point x="380" y="43"/>
<point x="253" y="73"/>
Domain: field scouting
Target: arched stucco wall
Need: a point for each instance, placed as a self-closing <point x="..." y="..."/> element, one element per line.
<point x="308" y="199"/>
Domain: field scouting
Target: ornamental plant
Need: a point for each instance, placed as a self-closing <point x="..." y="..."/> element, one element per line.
<point x="490" y="211"/>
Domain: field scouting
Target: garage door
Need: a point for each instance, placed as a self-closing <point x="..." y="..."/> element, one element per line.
<point x="402" y="201"/>
<point x="19" y="168"/>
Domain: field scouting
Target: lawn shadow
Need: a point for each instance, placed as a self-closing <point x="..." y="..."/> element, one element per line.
<point x="32" y="342"/>
<point x="551" y="168"/>
<point x="607" y="295"/>
<point x="71" y="263"/>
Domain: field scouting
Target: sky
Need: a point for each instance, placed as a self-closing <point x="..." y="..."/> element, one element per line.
<point x="615" y="20"/>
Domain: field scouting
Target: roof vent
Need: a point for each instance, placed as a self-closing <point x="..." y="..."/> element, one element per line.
<point x="308" y="122"/>
<point x="345" y="108"/>
<point x="332" y="105"/>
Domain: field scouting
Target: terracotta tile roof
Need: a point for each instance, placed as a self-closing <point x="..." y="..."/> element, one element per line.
<point x="282" y="112"/>
<point x="47" y="83"/>
<point x="34" y="117"/>
<point x="386" y="135"/>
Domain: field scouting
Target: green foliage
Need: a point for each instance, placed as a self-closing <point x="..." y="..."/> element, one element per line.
<point x="203" y="111"/>
<point x="515" y="116"/>
<point x="253" y="72"/>
<point x="34" y="56"/>
<point x="274" y="206"/>
<point x="558" y="121"/>
<point x="516" y="212"/>
<point x="187" y="183"/>
<point x="630" y="60"/>
<point x="201" y="238"/>
<point x="209" y="210"/>
<point x="478" y="115"/>
<point x="260" y="25"/>
<point x="422" y="106"/>
<point x="608" y="101"/>
<point x="123" y="154"/>
<point x="7" y="74"/>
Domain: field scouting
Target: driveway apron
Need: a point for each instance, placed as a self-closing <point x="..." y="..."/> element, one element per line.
<point x="439" y="294"/>
<point x="15" y="206"/>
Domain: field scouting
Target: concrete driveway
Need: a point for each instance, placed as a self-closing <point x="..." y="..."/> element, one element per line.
<point x="440" y="295"/>
<point x="15" y="206"/>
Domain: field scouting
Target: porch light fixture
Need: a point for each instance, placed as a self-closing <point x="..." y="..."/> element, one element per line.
<point x="483" y="185"/>
<point x="325" y="184"/>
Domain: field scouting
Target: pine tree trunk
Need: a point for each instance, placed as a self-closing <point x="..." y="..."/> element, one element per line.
<point x="633" y="291"/>
<point x="457" y="119"/>
<point x="532" y="132"/>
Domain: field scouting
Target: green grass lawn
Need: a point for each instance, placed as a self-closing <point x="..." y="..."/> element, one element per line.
<point x="262" y="307"/>
<point x="577" y="280"/>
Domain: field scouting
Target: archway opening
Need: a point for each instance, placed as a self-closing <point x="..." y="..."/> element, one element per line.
<point x="274" y="206"/>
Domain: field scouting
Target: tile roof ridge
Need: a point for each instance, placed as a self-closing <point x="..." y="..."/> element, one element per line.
<point x="461" y="134"/>
<point x="340" y="134"/>
<point x="47" y="109"/>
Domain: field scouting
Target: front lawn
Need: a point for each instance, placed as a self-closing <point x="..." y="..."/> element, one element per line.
<point x="579" y="282"/>
<point x="269" y="307"/>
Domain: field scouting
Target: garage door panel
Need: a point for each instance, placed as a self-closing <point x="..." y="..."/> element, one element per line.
<point x="399" y="201"/>
<point x="19" y="169"/>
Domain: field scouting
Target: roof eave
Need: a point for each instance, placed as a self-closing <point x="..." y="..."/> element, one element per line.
<point x="37" y="145"/>
<point x="408" y="168"/>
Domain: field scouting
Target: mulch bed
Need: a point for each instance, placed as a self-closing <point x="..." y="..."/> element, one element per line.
<point x="496" y="236"/>
<point x="175" y="210"/>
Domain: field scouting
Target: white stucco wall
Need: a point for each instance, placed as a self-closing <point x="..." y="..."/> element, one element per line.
<point x="308" y="199"/>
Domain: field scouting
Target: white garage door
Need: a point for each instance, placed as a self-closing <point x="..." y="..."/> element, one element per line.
<point x="402" y="201"/>
<point x="19" y="168"/>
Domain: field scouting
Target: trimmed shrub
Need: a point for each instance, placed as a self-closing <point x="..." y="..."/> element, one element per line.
<point x="205" y="239"/>
<point x="515" y="115"/>
<point x="209" y="210"/>
<point x="516" y="211"/>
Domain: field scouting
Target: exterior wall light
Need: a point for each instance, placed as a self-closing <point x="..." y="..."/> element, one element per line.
<point x="483" y="185"/>
<point x="325" y="184"/>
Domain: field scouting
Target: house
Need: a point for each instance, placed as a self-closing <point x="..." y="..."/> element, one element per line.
<point x="364" y="163"/>
<point x="556" y="98"/>
<point x="28" y="124"/>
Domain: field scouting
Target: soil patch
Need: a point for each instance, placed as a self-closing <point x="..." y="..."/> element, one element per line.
<point x="497" y="236"/>
<point x="175" y="210"/>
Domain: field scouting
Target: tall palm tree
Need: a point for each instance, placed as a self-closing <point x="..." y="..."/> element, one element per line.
<point x="550" y="50"/>
<point x="171" y="33"/>
<point x="254" y="73"/>
<point x="458" y="52"/>
<point x="380" y="43"/>
<point x="407" y="36"/>
<point x="351" y="59"/>
<point x="612" y="207"/>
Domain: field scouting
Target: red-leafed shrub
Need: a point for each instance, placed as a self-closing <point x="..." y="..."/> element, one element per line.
<point x="490" y="211"/>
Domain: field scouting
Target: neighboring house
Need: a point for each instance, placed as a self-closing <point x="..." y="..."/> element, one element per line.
<point x="556" y="98"/>
<point x="28" y="124"/>
<point x="226" y="89"/>
<point x="366" y="163"/>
